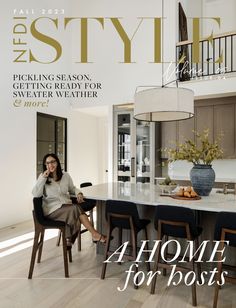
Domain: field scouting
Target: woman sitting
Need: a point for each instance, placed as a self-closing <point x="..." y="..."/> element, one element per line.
<point x="56" y="187"/>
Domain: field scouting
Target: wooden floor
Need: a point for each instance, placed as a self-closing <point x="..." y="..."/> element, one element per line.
<point x="49" y="288"/>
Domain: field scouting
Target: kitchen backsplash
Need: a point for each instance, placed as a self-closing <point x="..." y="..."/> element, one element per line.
<point x="225" y="170"/>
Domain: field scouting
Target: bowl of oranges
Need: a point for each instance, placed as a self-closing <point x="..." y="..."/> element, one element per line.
<point x="186" y="193"/>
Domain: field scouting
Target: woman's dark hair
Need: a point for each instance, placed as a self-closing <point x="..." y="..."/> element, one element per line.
<point x="58" y="171"/>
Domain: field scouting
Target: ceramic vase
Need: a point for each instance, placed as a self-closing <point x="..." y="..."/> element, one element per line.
<point x="202" y="178"/>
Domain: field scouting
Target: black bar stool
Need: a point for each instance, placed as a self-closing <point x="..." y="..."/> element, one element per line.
<point x="177" y="222"/>
<point x="87" y="206"/>
<point x="123" y="215"/>
<point x="41" y="223"/>
<point x="225" y="230"/>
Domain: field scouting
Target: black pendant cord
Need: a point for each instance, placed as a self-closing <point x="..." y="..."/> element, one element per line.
<point x="162" y="45"/>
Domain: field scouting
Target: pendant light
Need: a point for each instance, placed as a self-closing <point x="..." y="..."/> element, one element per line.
<point x="159" y="104"/>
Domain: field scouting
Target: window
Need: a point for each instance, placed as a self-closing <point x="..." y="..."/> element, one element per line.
<point x="51" y="138"/>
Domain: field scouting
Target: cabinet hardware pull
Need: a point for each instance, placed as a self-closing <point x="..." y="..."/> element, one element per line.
<point x="133" y="167"/>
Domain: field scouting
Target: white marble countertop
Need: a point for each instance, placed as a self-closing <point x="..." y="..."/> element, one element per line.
<point x="149" y="194"/>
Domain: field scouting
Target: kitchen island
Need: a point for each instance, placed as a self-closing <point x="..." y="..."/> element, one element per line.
<point x="147" y="197"/>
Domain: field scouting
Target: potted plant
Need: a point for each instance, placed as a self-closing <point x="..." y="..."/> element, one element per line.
<point x="201" y="153"/>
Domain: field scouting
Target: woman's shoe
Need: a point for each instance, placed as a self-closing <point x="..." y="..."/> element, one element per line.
<point x="102" y="239"/>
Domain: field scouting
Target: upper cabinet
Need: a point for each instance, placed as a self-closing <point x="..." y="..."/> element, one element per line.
<point x="168" y="136"/>
<point x="218" y="115"/>
<point x="185" y="130"/>
<point x="224" y="123"/>
<point x="175" y="132"/>
<point x="204" y="119"/>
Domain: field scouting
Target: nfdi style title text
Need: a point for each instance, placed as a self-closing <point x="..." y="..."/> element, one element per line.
<point x="24" y="28"/>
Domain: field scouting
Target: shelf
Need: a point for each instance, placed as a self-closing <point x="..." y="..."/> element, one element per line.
<point x="143" y="174"/>
<point x="124" y="173"/>
<point x="123" y="145"/>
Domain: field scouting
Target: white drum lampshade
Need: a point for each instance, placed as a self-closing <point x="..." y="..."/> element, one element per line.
<point x="163" y="104"/>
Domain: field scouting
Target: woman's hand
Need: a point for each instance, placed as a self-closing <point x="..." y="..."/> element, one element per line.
<point x="80" y="197"/>
<point x="46" y="173"/>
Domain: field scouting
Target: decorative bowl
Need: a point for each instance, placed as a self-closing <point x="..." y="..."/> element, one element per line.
<point x="167" y="188"/>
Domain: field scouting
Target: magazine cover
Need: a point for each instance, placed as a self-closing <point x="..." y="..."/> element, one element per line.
<point x="118" y="153"/>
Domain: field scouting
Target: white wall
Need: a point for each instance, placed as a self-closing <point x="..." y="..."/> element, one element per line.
<point x="120" y="80"/>
<point x="103" y="150"/>
<point x="18" y="130"/>
<point x="218" y="86"/>
<point x="85" y="147"/>
<point x="18" y="124"/>
<point x="223" y="9"/>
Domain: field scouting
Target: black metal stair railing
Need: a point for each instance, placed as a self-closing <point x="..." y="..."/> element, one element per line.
<point x="214" y="59"/>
